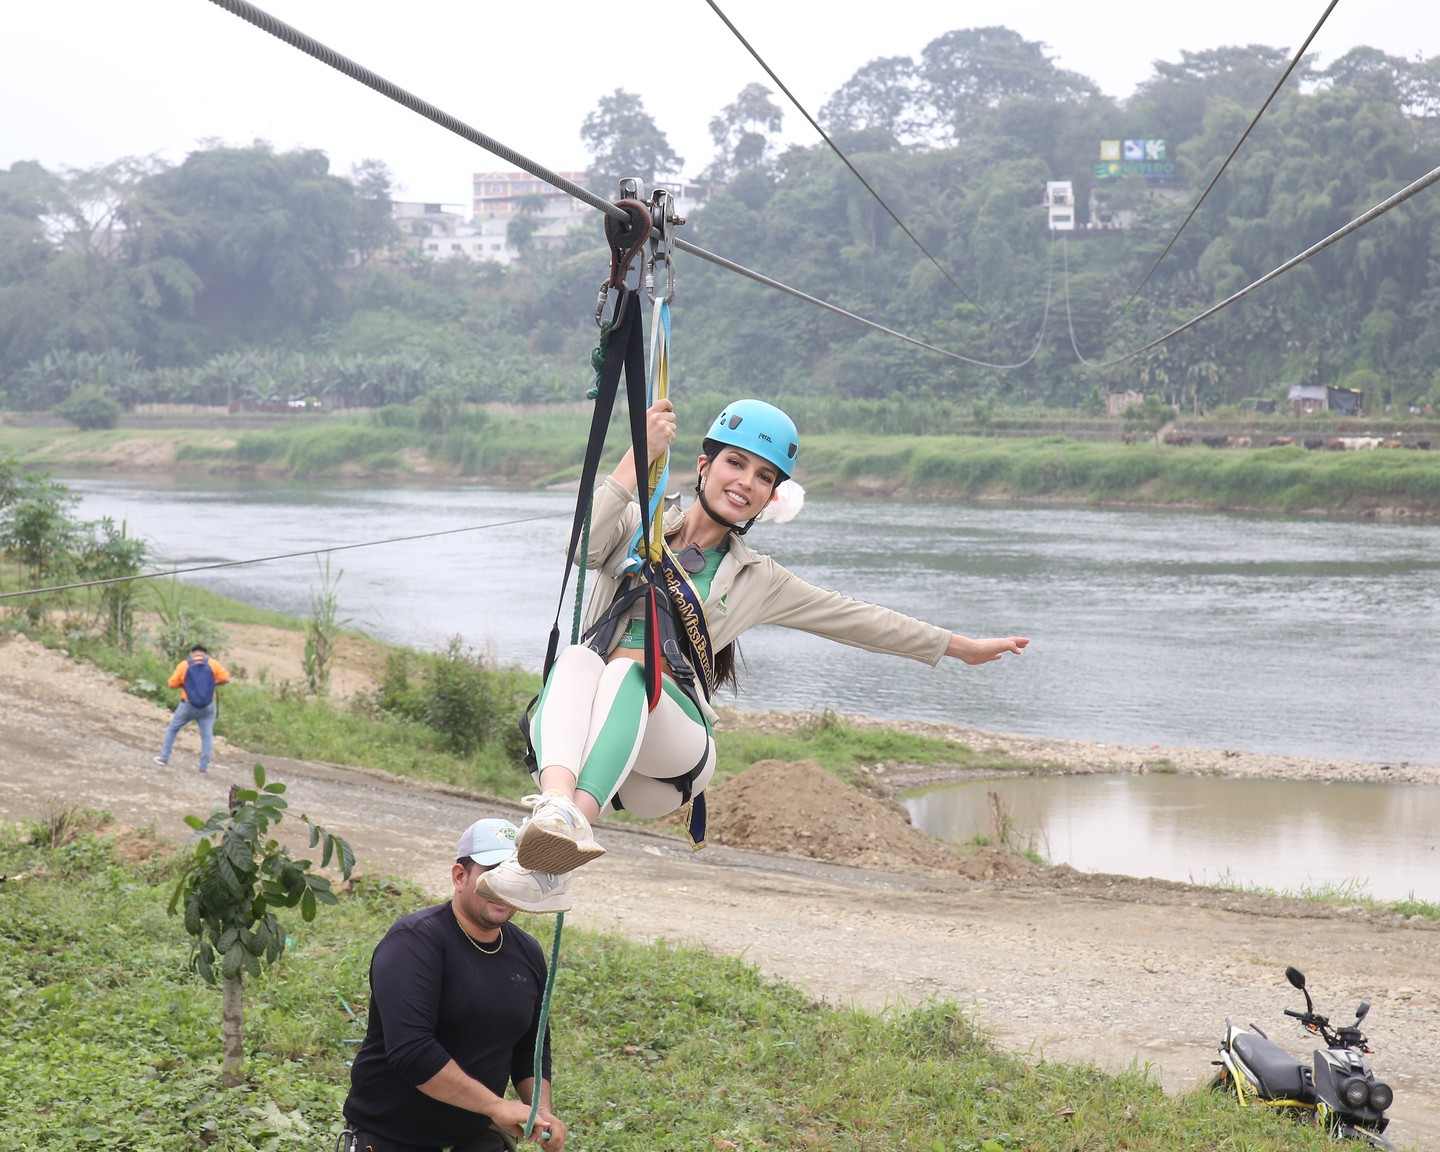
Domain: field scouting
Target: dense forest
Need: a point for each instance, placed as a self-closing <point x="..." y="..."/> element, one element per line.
<point x="242" y="273"/>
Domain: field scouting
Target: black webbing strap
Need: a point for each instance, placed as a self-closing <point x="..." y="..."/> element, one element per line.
<point x="624" y="351"/>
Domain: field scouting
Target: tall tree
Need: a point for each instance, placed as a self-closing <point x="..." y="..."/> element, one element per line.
<point x="972" y="69"/>
<point x="266" y="233"/>
<point x="375" y="227"/>
<point x="1172" y="103"/>
<point x="624" y="141"/>
<point x="881" y="97"/>
<point x="744" y="133"/>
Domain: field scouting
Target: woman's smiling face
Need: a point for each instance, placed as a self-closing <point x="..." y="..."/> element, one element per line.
<point x="738" y="484"/>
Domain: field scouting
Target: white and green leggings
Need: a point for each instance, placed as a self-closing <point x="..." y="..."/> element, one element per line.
<point x="593" y="720"/>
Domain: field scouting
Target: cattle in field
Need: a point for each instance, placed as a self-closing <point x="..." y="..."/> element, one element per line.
<point x="1128" y="437"/>
<point x="1240" y="442"/>
<point x="1179" y="439"/>
<point x="1215" y="441"/>
<point x="1314" y="442"/>
<point x="1359" y="443"/>
<point x="1281" y="441"/>
<point x="1392" y="444"/>
<point x="1335" y="444"/>
<point x="1423" y="445"/>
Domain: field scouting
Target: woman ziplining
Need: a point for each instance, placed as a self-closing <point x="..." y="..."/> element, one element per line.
<point x="599" y="742"/>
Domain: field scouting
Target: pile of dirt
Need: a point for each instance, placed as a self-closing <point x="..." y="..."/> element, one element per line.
<point x="798" y="809"/>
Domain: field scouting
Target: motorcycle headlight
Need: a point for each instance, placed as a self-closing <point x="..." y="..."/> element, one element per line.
<point x="1380" y="1096"/>
<point x="1355" y="1092"/>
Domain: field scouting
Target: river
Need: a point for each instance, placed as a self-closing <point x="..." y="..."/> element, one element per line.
<point x="1303" y="637"/>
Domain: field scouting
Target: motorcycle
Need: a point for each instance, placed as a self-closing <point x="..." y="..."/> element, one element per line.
<point x="1340" y="1092"/>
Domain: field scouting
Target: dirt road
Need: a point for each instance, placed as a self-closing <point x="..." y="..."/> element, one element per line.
<point x="1055" y="963"/>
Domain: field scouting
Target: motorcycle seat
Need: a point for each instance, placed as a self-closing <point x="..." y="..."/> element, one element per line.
<point x="1278" y="1071"/>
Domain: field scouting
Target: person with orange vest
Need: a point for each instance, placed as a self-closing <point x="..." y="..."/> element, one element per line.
<point x="197" y="678"/>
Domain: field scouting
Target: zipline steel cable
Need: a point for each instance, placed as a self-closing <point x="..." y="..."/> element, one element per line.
<point x="276" y="27"/>
<point x="268" y="559"/>
<point x="1295" y="60"/>
<point x="312" y="47"/>
<point x="1379" y="210"/>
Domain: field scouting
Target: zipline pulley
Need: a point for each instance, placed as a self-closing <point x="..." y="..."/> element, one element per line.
<point x="626" y="239"/>
<point x="662" y="221"/>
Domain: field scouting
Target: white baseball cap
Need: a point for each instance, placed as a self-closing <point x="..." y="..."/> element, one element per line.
<point x="487" y="842"/>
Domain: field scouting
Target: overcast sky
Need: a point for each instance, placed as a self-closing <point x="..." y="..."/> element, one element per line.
<point x="84" y="82"/>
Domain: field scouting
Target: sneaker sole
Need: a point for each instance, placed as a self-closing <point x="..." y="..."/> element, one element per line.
<point x="550" y="905"/>
<point x="542" y="850"/>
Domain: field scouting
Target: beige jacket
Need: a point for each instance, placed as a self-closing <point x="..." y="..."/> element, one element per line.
<point x="750" y="589"/>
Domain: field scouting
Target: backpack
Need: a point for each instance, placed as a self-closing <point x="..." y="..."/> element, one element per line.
<point x="200" y="684"/>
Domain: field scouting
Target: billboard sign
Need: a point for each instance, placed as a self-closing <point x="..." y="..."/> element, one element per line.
<point x="1145" y="158"/>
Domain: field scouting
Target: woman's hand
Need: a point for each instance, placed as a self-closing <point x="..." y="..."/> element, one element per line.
<point x="984" y="651"/>
<point x="659" y="429"/>
<point x="659" y="433"/>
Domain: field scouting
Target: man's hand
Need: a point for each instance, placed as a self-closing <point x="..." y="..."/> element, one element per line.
<point x="511" y="1116"/>
<point x="549" y="1131"/>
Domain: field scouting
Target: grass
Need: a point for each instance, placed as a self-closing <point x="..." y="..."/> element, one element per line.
<point x="846" y="751"/>
<point x="110" y="1043"/>
<point x="1354" y="890"/>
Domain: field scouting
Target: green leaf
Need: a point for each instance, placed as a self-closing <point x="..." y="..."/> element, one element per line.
<point x="239" y="853"/>
<point x="233" y="961"/>
<point x="205" y="963"/>
<point x="259" y="774"/>
<point x="307" y="906"/>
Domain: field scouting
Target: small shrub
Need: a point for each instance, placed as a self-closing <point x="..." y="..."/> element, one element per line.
<point x="89" y="408"/>
<point x="456" y="694"/>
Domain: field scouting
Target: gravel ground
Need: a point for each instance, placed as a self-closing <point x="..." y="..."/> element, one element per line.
<point x="1055" y="963"/>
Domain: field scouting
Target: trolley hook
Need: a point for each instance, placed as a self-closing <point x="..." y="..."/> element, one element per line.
<point x="626" y="238"/>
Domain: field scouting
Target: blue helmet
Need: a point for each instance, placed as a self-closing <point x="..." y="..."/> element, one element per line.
<point x="761" y="428"/>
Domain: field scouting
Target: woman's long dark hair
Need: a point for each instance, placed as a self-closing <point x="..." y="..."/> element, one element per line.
<point x="728" y="660"/>
<point x="727" y="666"/>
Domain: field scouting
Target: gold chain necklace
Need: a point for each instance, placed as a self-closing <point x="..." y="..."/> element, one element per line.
<point x="499" y="943"/>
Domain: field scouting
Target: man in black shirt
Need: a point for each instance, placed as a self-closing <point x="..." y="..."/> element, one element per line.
<point x="455" y="994"/>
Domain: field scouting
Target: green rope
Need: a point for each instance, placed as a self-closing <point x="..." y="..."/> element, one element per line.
<point x="597" y="357"/>
<point x="544" y="1024"/>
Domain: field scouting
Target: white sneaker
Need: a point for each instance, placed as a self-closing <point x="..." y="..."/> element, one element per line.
<point x="509" y="883"/>
<point x="556" y="837"/>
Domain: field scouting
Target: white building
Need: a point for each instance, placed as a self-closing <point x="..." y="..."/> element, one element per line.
<point x="1060" y="202"/>
<point x="417" y="218"/>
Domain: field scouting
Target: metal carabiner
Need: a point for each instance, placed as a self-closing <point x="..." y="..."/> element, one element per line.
<point x="626" y="238"/>
<point x="662" y="219"/>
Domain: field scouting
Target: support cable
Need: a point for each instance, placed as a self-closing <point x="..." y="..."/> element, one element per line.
<point x="1299" y="55"/>
<point x="1379" y="210"/>
<point x="845" y="159"/>
<point x="372" y="80"/>
<point x="268" y="559"/>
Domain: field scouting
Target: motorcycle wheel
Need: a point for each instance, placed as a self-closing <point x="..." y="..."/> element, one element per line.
<point x="1220" y="1082"/>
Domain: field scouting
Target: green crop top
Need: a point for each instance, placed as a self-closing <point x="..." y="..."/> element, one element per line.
<point x="634" y="634"/>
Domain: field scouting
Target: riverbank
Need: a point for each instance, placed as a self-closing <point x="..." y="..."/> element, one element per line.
<point x="526" y="449"/>
<point x="276" y="655"/>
